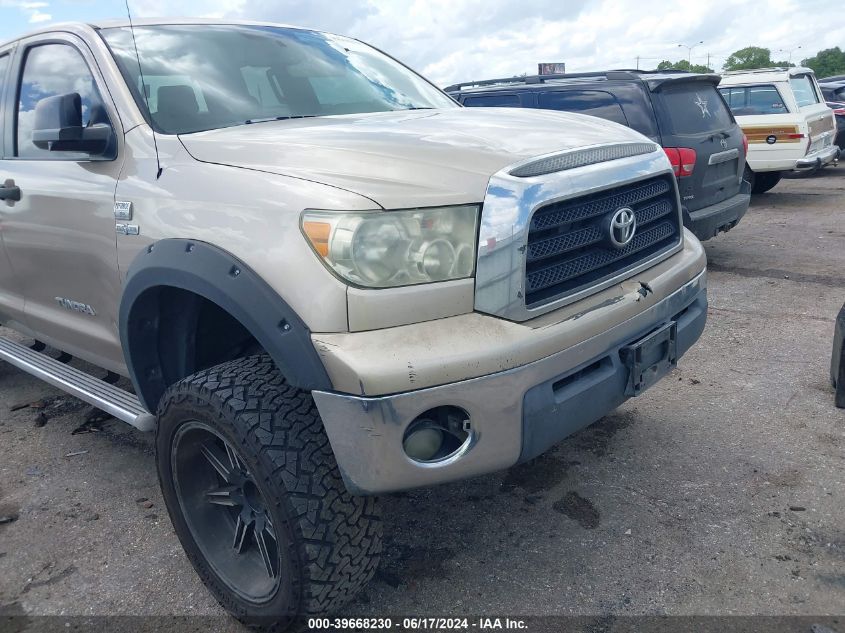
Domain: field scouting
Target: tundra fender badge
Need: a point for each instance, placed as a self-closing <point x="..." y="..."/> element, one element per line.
<point x="122" y="210"/>
<point x="76" y="306"/>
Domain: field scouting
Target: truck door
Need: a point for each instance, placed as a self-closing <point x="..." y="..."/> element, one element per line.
<point x="60" y="235"/>
<point x="11" y="299"/>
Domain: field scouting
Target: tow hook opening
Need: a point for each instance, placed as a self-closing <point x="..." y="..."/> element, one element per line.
<point x="437" y="434"/>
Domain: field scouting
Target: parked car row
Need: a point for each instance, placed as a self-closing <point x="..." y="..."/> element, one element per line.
<point x="699" y="119"/>
<point x="681" y="111"/>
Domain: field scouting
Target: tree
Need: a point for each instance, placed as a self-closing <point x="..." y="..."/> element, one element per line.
<point x="830" y="61"/>
<point x="750" y="57"/>
<point x="683" y="65"/>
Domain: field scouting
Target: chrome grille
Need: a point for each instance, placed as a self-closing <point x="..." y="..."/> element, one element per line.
<point x="557" y="214"/>
<point x="569" y="244"/>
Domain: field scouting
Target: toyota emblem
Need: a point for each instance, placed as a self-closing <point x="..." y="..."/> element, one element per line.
<point x="623" y="225"/>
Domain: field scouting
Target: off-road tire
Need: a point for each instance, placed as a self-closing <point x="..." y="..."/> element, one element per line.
<point x="332" y="539"/>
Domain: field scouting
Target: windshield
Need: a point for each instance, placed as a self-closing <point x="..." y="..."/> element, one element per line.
<point x="204" y="77"/>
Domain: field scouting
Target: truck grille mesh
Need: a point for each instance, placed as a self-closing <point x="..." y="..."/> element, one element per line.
<point x="569" y="245"/>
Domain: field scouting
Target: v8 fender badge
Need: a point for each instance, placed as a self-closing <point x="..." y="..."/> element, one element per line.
<point x="122" y="210"/>
<point x="76" y="306"/>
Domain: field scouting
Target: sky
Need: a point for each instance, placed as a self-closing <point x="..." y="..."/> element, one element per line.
<point x="461" y="40"/>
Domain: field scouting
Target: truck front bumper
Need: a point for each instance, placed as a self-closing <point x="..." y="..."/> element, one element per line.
<point x="710" y="221"/>
<point x="514" y="415"/>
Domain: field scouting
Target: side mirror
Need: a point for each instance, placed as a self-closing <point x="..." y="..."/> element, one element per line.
<point x="58" y="127"/>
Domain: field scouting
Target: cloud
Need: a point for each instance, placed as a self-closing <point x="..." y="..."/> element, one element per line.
<point x="455" y="40"/>
<point x="32" y="10"/>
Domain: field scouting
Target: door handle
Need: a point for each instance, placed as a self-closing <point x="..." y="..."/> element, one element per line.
<point x="10" y="192"/>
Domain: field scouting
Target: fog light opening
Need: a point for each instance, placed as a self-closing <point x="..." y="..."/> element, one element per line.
<point x="437" y="434"/>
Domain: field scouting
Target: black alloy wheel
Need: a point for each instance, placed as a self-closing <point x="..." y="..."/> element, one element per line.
<point x="225" y="511"/>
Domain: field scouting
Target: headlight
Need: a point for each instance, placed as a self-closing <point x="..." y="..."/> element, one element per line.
<point x="383" y="249"/>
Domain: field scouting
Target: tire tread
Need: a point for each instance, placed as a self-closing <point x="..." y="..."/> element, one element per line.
<point x="337" y="539"/>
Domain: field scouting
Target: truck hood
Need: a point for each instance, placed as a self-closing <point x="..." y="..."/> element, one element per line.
<point x="407" y="158"/>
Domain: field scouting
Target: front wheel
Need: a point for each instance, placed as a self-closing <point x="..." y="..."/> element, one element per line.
<point x="256" y="498"/>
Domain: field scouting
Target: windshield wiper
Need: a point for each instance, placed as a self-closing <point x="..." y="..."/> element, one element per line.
<point x="279" y="118"/>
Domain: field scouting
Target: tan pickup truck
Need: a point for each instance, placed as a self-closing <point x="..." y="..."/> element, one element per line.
<point x="324" y="278"/>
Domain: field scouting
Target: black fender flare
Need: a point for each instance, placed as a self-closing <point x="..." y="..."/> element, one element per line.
<point x="219" y="277"/>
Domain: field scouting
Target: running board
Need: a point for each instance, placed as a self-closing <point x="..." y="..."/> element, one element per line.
<point x="113" y="400"/>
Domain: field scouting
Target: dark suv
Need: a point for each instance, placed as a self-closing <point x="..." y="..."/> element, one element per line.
<point x="834" y="96"/>
<point x="682" y="111"/>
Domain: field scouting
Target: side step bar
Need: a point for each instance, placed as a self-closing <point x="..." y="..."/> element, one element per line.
<point x="117" y="402"/>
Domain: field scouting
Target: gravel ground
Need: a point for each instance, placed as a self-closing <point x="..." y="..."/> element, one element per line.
<point x="719" y="491"/>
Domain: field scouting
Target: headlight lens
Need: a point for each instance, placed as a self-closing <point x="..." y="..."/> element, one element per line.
<point x="383" y="249"/>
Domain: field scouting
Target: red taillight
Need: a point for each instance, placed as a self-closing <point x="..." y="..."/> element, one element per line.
<point x="839" y="111"/>
<point x="795" y="135"/>
<point x="674" y="159"/>
<point x="745" y="144"/>
<point x="682" y="160"/>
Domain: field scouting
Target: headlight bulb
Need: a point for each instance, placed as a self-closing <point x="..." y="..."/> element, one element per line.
<point x="378" y="250"/>
<point x="436" y="259"/>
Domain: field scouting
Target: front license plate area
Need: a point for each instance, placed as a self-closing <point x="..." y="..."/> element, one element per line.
<point x="650" y="358"/>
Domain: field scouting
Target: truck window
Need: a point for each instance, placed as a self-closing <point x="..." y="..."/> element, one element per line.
<point x="239" y="73"/>
<point x="49" y="70"/>
<point x="595" y="102"/>
<point x="153" y="85"/>
<point x="834" y="94"/>
<point x="337" y="94"/>
<point x="754" y="100"/>
<point x="804" y="89"/>
<point x="693" y="108"/>
<point x="493" y="101"/>
<point x="263" y="86"/>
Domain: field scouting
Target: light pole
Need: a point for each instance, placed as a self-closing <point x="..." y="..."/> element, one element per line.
<point x="689" y="51"/>
<point x="790" y="51"/>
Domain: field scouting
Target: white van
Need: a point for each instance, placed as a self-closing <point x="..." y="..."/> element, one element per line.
<point x="783" y="114"/>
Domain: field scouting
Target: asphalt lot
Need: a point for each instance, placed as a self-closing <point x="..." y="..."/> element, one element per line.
<point x="719" y="491"/>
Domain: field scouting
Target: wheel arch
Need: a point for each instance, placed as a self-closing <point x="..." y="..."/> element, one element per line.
<point x="163" y="288"/>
